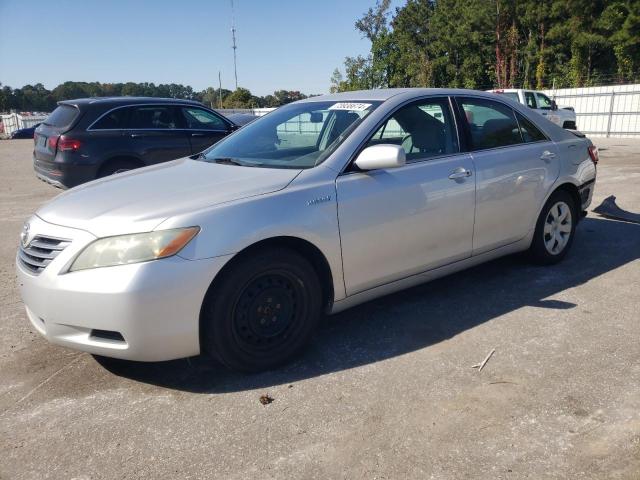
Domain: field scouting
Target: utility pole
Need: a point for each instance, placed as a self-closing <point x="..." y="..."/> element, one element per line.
<point x="219" y="89"/>
<point x="235" y="47"/>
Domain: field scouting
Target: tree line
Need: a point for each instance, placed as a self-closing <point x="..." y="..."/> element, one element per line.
<point x="38" y="98"/>
<point x="481" y="44"/>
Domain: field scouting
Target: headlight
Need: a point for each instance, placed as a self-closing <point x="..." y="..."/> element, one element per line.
<point x="138" y="247"/>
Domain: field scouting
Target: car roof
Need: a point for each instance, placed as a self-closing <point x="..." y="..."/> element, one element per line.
<point x="117" y="101"/>
<point x="383" y="94"/>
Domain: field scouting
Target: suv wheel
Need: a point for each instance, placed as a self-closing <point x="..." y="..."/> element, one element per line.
<point x="555" y="229"/>
<point x="117" y="166"/>
<point x="262" y="311"/>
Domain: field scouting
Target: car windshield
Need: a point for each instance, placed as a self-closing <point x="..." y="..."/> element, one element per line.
<point x="299" y="135"/>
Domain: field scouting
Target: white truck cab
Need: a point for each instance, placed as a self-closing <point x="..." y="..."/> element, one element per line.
<point x="564" y="117"/>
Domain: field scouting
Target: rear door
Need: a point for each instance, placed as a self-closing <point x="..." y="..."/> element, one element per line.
<point x="204" y="128"/>
<point x="516" y="166"/>
<point x="154" y="135"/>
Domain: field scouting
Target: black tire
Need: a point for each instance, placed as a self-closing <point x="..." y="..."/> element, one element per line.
<point x="117" y="166"/>
<point x="539" y="251"/>
<point x="569" y="125"/>
<point x="262" y="311"/>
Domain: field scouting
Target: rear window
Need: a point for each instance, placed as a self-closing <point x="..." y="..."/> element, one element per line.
<point x="491" y="124"/>
<point x="115" y="119"/>
<point x="530" y="133"/>
<point x="152" y="117"/>
<point x="63" y="116"/>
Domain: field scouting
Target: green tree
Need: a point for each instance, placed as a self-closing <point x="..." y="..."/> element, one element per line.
<point x="240" y="98"/>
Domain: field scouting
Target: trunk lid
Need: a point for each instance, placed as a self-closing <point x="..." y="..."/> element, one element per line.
<point x="46" y="135"/>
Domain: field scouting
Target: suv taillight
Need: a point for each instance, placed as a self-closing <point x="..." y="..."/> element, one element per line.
<point x="68" y="145"/>
<point x="53" y="142"/>
<point x="593" y="153"/>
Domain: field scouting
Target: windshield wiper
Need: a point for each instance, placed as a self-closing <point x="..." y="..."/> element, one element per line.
<point x="228" y="161"/>
<point x="233" y="161"/>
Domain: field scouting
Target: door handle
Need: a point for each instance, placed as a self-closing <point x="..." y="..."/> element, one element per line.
<point x="547" y="155"/>
<point x="135" y="135"/>
<point x="197" y="134"/>
<point x="459" y="173"/>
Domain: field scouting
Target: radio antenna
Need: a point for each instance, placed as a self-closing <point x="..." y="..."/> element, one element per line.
<point x="234" y="46"/>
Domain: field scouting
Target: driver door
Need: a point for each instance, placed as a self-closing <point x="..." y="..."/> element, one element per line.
<point x="398" y="222"/>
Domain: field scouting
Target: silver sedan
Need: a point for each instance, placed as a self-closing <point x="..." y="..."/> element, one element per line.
<point x="316" y="207"/>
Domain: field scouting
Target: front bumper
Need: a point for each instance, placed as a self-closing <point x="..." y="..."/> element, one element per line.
<point x="153" y="306"/>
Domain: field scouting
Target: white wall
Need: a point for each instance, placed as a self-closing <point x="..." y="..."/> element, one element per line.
<point x="610" y="111"/>
<point x="15" y="121"/>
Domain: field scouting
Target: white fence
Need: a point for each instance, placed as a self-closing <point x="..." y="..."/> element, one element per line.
<point x="16" y="121"/>
<point x="612" y="111"/>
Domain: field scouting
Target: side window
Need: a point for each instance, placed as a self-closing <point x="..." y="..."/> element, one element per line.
<point x="531" y="99"/>
<point x="543" y="102"/>
<point x="491" y="124"/>
<point x="198" y="119"/>
<point x="424" y="129"/>
<point x="530" y="133"/>
<point x="114" y="120"/>
<point x="390" y="132"/>
<point x="152" y="117"/>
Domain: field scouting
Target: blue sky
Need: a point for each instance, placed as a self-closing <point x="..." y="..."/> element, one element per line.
<point x="282" y="44"/>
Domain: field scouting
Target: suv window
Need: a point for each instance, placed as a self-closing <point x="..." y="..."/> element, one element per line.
<point x="543" y="100"/>
<point x="152" y="116"/>
<point x="62" y="116"/>
<point x="424" y="129"/>
<point x="116" y="119"/>
<point x="199" y="119"/>
<point x="491" y="124"/>
<point x="531" y="99"/>
<point x="530" y="133"/>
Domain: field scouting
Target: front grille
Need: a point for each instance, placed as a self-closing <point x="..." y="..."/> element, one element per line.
<point x="40" y="252"/>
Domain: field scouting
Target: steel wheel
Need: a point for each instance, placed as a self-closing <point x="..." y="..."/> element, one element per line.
<point x="267" y="311"/>
<point x="262" y="310"/>
<point x="558" y="227"/>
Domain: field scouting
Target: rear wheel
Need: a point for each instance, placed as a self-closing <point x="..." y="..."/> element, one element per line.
<point x="555" y="229"/>
<point x="117" y="166"/>
<point x="262" y="311"/>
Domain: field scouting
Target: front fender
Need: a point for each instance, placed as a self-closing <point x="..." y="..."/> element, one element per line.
<point x="307" y="212"/>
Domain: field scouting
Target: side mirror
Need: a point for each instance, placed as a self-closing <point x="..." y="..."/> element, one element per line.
<point x="381" y="156"/>
<point x="316" y="117"/>
<point x="554" y="105"/>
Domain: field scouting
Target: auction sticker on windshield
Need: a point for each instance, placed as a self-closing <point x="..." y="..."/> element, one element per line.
<point x="358" y="107"/>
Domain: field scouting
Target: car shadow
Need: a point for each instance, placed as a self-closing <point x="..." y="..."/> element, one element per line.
<point x="415" y="318"/>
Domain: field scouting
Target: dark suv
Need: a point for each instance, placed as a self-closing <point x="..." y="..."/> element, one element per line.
<point x="91" y="138"/>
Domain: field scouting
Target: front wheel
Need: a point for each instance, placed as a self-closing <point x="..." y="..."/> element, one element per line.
<point x="262" y="311"/>
<point x="555" y="229"/>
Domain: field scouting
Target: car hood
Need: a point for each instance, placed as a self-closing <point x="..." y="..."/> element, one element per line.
<point x="138" y="201"/>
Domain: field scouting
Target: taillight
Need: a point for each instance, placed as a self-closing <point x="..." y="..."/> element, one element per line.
<point x="593" y="153"/>
<point x="53" y="142"/>
<point x="68" y="145"/>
